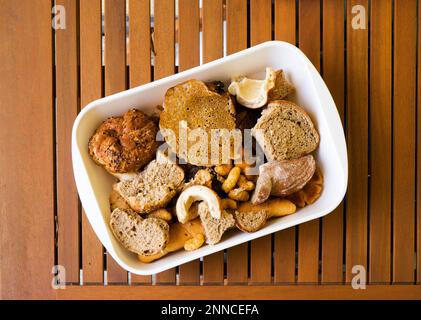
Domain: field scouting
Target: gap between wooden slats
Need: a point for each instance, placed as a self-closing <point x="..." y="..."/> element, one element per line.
<point x="308" y="233"/>
<point x="139" y="61"/>
<point x="261" y="248"/>
<point x="212" y="30"/>
<point x="189" y="56"/>
<point x="357" y="139"/>
<point x="90" y="89"/>
<point x="236" y="17"/>
<point x="334" y="76"/>
<point x="284" y="244"/>
<point x="164" y="65"/>
<point x="404" y="143"/>
<point x="66" y="43"/>
<point x="115" y="81"/>
<point x="380" y="140"/>
<point x="418" y="216"/>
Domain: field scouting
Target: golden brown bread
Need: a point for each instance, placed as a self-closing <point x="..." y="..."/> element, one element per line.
<point x="124" y="144"/>
<point x="192" y="105"/>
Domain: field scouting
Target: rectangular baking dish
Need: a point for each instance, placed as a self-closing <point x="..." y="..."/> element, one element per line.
<point x="94" y="183"/>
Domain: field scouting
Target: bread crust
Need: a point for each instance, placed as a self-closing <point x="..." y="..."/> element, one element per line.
<point x="124" y="144"/>
<point x="278" y="145"/>
<point x="192" y="105"/>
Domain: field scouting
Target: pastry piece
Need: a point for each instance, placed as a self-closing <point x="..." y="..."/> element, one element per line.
<point x="273" y="207"/>
<point x="180" y="236"/>
<point x="285" y="131"/>
<point x="153" y="188"/>
<point x="142" y="236"/>
<point x="214" y="228"/>
<point x="282" y="178"/>
<point x="194" y="194"/>
<point x="124" y="144"/>
<point x="253" y="93"/>
<point x="191" y="113"/>
<point x="311" y="191"/>
<point x="250" y="221"/>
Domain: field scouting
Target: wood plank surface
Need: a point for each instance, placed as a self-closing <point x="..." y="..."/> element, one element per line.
<point x="334" y="76"/>
<point x="212" y="29"/>
<point x="270" y="292"/>
<point x="139" y="61"/>
<point x="308" y="233"/>
<point x="285" y="22"/>
<point x="380" y="140"/>
<point x="261" y="248"/>
<point x="404" y="126"/>
<point x="91" y="89"/>
<point x="115" y="81"/>
<point x="357" y="139"/>
<point x="189" y="56"/>
<point x="164" y="60"/>
<point x="27" y="150"/>
<point x="236" y="17"/>
<point x="67" y="105"/>
<point x="284" y="244"/>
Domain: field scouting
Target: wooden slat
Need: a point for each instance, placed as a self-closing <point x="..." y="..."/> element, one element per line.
<point x="66" y="111"/>
<point x="284" y="244"/>
<point x="90" y="89"/>
<point x="380" y="135"/>
<point x="261" y="248"/>
<point x="212" y="30"/>
<point x="404" y="124"/>
<point x="115" y="81"/>
<point x="285" y="22"/>
<point x="236" y="17"/>
<point x="164" y="66"/>
<point x="139" y="61"/>
<point x="308" y="233"/>
<point x="357" y="138"/>
<point x="189" y="56"/>
<point x="418" y="153"/>
<point x="269" y="292"/>
<point x="139" y="42"/>
<point x="333" y="74"/>
<point x="27" y="152"/>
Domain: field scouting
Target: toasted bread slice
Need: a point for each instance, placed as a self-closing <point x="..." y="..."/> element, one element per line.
<point x="250" y="221"/>
<point x="214" y="228"/>
<point x="153" y="188"/>
<point x="285" y="131"/>
<point x="142" y="236"/>
<point x="192" y="105"/>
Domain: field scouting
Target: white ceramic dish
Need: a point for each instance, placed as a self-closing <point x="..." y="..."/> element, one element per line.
<point x="94" y="183"/>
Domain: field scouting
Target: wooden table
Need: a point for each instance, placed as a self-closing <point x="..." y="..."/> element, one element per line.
<point x="48" y="75"/>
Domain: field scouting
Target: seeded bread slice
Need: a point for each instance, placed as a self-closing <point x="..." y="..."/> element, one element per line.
<point x="285" y="131"/>
<point x="214" y="228"/>
<point x="153" y="188"/>
<point x="250" y="221"/>
<point x="142" y="236"/>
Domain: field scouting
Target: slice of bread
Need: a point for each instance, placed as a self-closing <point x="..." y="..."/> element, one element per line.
<point x="142" y="236"/>
<point x="192" y="105"/>
<point x="214" y="228"/>
<point x="153" y="188"/>
<point x="285" y="131"/>
<point x="250" y="221"/>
